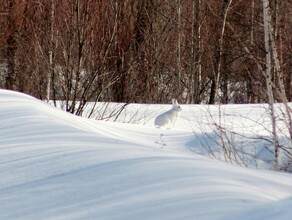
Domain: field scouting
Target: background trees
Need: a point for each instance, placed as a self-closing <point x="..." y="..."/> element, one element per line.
<point x="198" y="51"/>
<point x="143" y="51"/>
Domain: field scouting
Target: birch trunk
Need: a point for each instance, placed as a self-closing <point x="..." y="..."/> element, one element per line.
<point x="269" y="83"/>
<point x="50" y="73"/>
<point x="178" y="46"/>
<point x="278" y="68"/>
<point x="221" y="47"/>
<point x="196" y="45"/>
<point x="199" y="61"/>
<point x="214" y="94"/>
<point x="192" y="62"/>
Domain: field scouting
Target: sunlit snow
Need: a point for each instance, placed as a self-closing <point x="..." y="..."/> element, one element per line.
<point x="54" y="165"/>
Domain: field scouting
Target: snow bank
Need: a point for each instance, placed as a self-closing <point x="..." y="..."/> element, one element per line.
<point x="54" y="165"/>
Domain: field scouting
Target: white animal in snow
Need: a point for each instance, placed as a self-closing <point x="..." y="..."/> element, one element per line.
<point x="168" y="119"/>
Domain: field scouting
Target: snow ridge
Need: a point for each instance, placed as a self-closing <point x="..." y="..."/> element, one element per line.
<point x="54" y="165"/>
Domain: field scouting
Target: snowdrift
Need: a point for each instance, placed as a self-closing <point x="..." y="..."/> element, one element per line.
<point x="54" y="165"/>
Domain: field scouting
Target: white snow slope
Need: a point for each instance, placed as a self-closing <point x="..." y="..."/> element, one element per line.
<point x="54" y="165"/>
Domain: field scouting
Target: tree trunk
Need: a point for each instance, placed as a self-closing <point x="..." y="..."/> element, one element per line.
<point x="51" y="68"/>
<point x="11" y="48"/>
<point x="212" y="92"/>
<point x="199" y="60"/>
<point x="278" y="68"/>
<point x="11" y="74"/>
<point x="196" y="47"/>
<point x="226" y="6"/>
<point x="214" y="96"/>
<point x="178" y="48"/>
<point x="269" y="83"/>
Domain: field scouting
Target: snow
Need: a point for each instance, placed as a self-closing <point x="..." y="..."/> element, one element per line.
<point x="54" y="165"/>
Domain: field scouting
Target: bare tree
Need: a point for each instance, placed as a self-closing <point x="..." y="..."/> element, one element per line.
<point x="179" y="68"/>
<point x="269" y="81"/>
<point x="14" y="21"/>
<point x="202" y="51"/>
<point x="214" y="96"/>
<point x="278" y="69"/>
<point x="51" y="45"/>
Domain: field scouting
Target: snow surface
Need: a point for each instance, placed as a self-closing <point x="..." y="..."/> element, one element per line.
<point x="54" y="165"/>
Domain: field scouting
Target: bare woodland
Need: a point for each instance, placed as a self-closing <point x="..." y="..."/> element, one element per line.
<point x="149" y="51"/>
<point x="145" y="51"/>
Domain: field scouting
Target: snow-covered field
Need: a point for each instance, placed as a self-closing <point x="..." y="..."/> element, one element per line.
<point x="54" y="165"/>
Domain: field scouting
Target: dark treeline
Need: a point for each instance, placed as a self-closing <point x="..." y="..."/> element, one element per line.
<point x="142" y="51"/>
